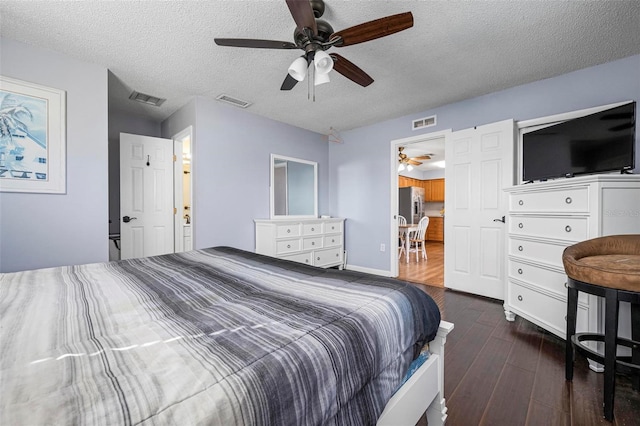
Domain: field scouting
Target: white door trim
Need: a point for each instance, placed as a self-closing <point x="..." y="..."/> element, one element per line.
<point x="393" y="183"/>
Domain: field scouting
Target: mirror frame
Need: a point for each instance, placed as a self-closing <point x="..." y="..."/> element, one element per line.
<point x="274" y="158"/>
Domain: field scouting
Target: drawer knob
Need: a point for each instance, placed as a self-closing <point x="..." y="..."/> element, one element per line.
<point x="520" y="248"/>
<point x="521" y="202"/>
<point x="288" y="245"/>
<point x="567" y="228"/>
<point x="306" y="261"/>
<point x="337" y="255"/>
<point x="333" y="241"/>
<point x="318" y="258"/>
<point x="288" y="231"/>
<point x="520" y="298"/>
<point x="313" y="229"/>
<point x="313" y="243"/>
<point x="520" y="225"/>
<point x="566" y="285"/>
<point x="520" y="271"/>
<point x="568" y="200"/>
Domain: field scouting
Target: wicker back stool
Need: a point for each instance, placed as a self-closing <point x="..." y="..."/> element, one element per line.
<point x="608" y="267"/>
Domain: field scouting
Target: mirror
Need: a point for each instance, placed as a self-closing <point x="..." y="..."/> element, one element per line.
<point x="294" y="187"/>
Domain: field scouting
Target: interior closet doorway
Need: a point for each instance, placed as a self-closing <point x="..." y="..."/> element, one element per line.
<point x="421" y="165"/>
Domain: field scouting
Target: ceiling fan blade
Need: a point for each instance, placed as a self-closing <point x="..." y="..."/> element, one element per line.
<point x="422" y="157"/>
<point x="302" y="13"/>
<point x="413" y="162"/>
<point x="374" y="29"/>
<point x="350" y="70"/>
<point x="258" y="44"/>
<point x="288" y="83"/>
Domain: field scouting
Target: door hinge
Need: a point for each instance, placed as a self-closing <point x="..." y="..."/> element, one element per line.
<point x="175" y="211"/>
<point x="175" y="158"/>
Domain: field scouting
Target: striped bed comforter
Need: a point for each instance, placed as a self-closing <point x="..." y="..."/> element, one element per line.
<point x="215" y="336"/>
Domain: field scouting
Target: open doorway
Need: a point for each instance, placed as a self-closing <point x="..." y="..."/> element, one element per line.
<point x="418" y="191"/>
<point x="183" y="190"/>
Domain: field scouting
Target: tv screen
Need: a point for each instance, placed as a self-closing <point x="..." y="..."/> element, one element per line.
<point x="596" y="143"/>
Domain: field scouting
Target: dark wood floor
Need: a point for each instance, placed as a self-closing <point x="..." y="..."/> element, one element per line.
<point x="512" y="373"/>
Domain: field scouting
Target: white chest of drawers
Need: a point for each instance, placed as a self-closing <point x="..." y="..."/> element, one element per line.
<point x="317" y="242"/>
<point x="546" y="217"/>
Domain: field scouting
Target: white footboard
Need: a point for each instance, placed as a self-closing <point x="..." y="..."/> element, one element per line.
<point x="424" y="391"/>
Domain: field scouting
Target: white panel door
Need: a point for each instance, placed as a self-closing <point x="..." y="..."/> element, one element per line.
<point x="146" y="196"/>
<point x="479" y="164"/>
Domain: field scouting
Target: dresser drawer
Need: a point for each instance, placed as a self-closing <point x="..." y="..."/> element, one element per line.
<point x="552" y="200"/>
<point x="287" y="246"/>
<point x="331" y="227"/>
<point x="288" y="230"/>
<point x="300" y="257"/>
<point x="312" y="243"/>
<point x="562" y="228"/>
<point x="548" y="279"/>
<point x="332" y="240"/>
<point x="312" y="229"/>
<point x="549" y="312"/>
<point x="548" y="253"/>
<point x="325" y="257"/>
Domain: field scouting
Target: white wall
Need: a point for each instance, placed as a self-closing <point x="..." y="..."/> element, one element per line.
<point x="43" y="230"/>
<point x="359" y="172"/>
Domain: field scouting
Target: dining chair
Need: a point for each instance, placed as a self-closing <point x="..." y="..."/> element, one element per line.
<point x="416" y="240"/>
<point x="402" y="221"/>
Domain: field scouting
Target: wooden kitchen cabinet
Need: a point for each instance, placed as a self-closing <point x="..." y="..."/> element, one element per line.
<point x="435" y="230"/>
<point x="437" y="190"/>
<point x="426" y="184"/>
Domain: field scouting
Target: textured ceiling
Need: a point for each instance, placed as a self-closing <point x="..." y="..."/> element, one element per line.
<point x="456" y="50"/>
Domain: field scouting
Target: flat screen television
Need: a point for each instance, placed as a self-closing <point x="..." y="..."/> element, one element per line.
<point x="596" y="143"/>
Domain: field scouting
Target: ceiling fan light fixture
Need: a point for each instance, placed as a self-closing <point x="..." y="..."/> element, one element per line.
<point x="320" y="78"/>
<point x="323" y="62"/>
<point x="409" y="167"/>
<point x="298" y="68"/>
<point x="401" y="167"/>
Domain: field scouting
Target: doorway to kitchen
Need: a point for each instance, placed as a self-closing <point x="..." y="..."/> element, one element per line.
<point x="418" y="169"/>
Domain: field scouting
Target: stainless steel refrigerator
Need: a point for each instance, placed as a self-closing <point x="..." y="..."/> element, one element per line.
<point x="410" y="201"/>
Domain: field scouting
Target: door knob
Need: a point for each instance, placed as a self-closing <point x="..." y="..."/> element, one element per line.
<point x="127" y="219"/>
<point x="499" y="220"/>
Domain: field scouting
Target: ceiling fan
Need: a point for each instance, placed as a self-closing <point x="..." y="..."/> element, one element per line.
<point x="314" y="36"/>
<point x="404" y="159"/>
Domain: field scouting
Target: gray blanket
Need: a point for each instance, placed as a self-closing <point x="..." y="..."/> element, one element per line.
<point x="216" y="336"/>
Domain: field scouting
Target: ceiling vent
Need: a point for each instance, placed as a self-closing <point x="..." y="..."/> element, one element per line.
<point x="233" y="101"/>
<point x="423" y="122"/>
<point x="146" y="99"/>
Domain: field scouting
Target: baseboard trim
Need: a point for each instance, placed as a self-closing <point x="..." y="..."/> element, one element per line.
<point x="372" y="271"/>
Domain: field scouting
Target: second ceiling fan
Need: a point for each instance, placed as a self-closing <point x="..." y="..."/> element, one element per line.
<point x="314" y="36"/>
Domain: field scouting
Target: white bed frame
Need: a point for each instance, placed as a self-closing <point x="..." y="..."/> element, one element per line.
<point x="424" y="391"/>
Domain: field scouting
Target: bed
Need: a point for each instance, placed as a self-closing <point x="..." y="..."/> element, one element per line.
<point x="217" y="336"/>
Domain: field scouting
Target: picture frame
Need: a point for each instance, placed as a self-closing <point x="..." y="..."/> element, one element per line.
<point x="32" y="137"/>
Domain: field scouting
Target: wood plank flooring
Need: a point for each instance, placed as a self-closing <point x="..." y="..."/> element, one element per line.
<point x="512" y="373"/>
<point x="430" y="271"/>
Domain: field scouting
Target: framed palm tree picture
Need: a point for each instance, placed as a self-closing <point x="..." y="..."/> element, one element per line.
<point x="32" y="137"/>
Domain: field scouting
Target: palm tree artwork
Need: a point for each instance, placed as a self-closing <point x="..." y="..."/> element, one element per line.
<point x="23" y="154"/>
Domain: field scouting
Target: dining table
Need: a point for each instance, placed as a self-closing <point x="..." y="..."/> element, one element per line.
<point x="405" y="231"/>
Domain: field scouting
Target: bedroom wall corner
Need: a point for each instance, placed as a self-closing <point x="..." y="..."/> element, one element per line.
<point x="46" y="230"/>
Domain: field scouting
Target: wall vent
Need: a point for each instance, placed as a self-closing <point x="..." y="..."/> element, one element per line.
<point x="233" y="101"/>
<point x="146" y="99"/>
<point x="423" y="122"/>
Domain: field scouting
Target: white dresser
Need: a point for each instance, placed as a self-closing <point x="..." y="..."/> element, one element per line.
<point x="546" y="217"/>
<point x="317" y="242"/>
